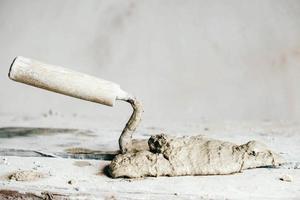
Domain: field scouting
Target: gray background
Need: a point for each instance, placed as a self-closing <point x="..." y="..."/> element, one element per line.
<point x="191" y="60"/>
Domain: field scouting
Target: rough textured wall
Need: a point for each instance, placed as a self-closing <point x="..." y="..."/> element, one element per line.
<point x="184" y="59"/>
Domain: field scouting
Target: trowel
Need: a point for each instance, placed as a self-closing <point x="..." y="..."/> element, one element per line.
<point x="79" y="85"/>
<point x="164" y="155"/>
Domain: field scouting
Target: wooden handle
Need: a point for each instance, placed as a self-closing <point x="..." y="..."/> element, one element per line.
<point x="65" y="81"/>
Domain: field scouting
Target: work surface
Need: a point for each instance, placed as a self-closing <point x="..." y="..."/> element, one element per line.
<point x="72" y="153"/>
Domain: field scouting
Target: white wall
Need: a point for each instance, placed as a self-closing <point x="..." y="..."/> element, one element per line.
<point x="192" y="60"/>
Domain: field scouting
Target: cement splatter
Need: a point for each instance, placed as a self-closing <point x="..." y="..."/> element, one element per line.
<point x="26" y="175"/>
<point x="286" y="178"/>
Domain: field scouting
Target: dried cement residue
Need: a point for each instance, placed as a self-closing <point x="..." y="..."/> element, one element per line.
<point x="26" y="176"/>
<point x="82" y="163"/>
<point x="287" y="178"/>
<point x="195" y="155"/>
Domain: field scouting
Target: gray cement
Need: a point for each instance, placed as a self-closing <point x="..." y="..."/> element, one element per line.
<point x="194" y="155"/>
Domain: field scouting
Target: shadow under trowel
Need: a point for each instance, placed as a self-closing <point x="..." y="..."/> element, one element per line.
<point x="10" y="132"/>
<point x="73" y="152"/>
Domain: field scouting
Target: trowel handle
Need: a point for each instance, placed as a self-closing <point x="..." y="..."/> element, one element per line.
<point x="65" y="81"/>
<point x="79" y="85"/>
